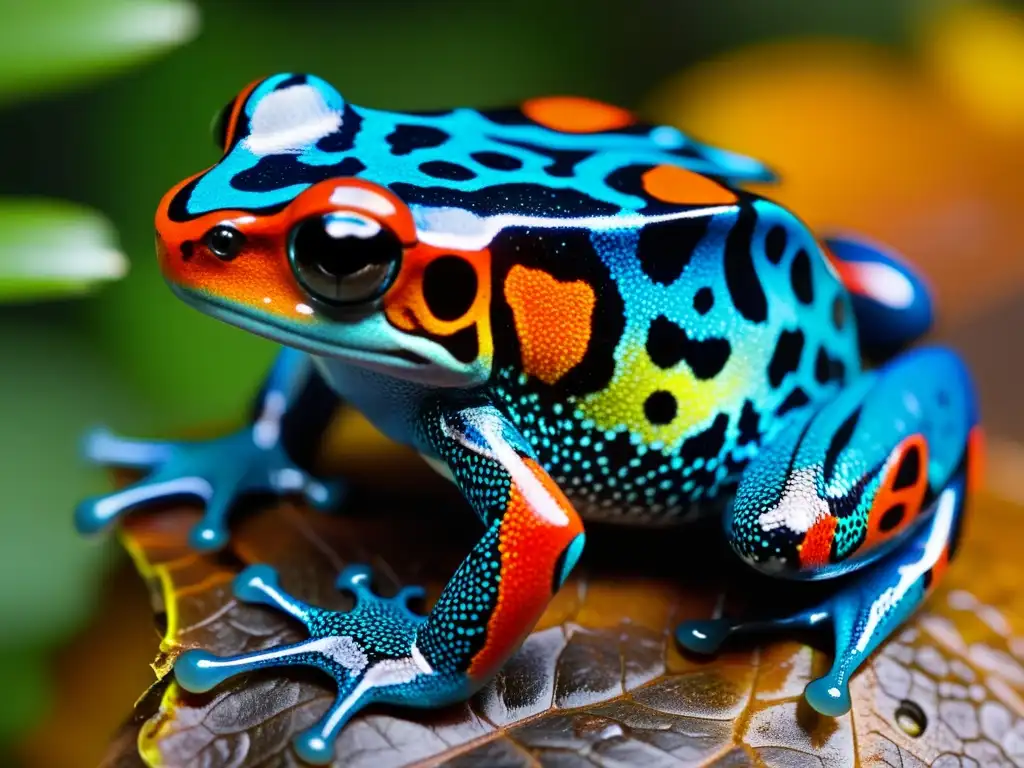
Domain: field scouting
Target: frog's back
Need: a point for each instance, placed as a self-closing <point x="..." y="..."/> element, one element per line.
<point x="650" y="362"/>
<point x="552" y="157"/>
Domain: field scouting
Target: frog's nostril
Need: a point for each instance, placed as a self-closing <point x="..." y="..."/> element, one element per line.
<point x="187" y="249"/>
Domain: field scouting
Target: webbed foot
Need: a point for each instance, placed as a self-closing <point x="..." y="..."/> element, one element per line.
<point x="370" y="651"/>
<point x="214" y="471"/>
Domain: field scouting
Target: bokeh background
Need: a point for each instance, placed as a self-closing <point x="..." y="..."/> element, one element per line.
<point x="900" y="119"/>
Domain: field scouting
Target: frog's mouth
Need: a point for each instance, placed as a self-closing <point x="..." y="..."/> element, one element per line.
<point x="371" y="343"/>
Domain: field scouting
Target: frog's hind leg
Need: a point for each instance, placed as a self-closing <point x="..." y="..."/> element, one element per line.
<point x="891" y="302"/>
<point x="870" y="487"/>
<point x="864" y="611"/>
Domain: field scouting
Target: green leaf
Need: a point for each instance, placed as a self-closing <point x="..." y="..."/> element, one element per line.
<point x="55" y="44"/>
<point x="52" y="248"/>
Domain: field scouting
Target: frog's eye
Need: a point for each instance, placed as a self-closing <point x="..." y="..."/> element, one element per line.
<point x="224" y="242"/>
<point x="344" y="258"/>
<point x="220" y="124"/>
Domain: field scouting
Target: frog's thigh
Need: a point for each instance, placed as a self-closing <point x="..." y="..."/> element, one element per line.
<point x="846" y="483"/>
<point x="873" y="481"/>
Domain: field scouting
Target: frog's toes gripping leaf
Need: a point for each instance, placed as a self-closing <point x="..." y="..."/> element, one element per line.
<point x="601" y="680"/>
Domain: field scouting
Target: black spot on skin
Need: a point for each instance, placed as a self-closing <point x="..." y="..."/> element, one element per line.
<point x="840" y="439"/>
<point x="406" y="138"/>
<point x="800" y="277"/>
<point x="928" y="577"/>
<point x="497" y="161"/>
<point x="463" y="344"/>
<point x="668" y="344"/>
<point x="278" y="171"/>
<point x="741" y="277"/>
<point x="568" y="255"/>
<point x="187" y="248"/>
<point x="749" y="424"/>
<point x="534" y="199"/>
<point x="703" y="300"/>
<point x="795" y="399"/>
<point x="221" y="123"/>
<point x="290" y="82"/>
<point x="449" y="287"/>
<point x="892" y="518"/>
<point x="775" y="244"/>
<point x="660" y="407"/>
<point x="344" y="138"/>
<point x="508" y="116"/>
<point x="828" y="368"/>
<point x="910" y="469"/>
<point x="943" y="398"/>
<point x="666" y="247"/>
<point x="628" y="179"/>
<point x="786" y="358"/>
<point x="707" y="444"/>
<point x="563" y="163"/>
<point x="838" y="313"/>
<point x="442" y="169"/>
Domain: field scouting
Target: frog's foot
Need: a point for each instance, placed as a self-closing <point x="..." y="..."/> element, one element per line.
<point x="705" y="636"/>
<point x="370" y="651"/>
<point x="215" y="471"/>
<point x="865" y="609"/>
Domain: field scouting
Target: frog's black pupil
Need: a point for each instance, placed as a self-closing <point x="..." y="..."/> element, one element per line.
<point x="323" y="257"/>
<point x="225" y="242"/>
<point x="219" y="125"/>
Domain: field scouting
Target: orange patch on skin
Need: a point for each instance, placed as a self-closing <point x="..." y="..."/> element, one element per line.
<point x="407" y="309"/>
<point x="260" y="277"/>
<point x="939" y="569"/>
<point x="574" y="114"/>
<point x="530" y="546"/>
<point x="817" y="544"/>
<point x="975" y="459"/>
<point x="552" y="319"/>
<point x="236" y="110"/>
<point x="673" y="184"/>
<point x="911" y="497"/>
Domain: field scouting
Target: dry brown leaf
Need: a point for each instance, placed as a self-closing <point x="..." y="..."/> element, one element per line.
<point x="600" y="682"/>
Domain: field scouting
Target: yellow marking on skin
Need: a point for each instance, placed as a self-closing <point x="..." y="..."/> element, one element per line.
<point x="698" y="401"/>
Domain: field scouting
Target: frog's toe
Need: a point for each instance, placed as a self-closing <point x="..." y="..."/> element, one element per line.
<point x="828" y="696"/>
<point x="199" y="671"/>
<point x="99" y="512"/>
<point x="313" y="748"/>
<point x="208" y="538"/>
<point x="101" y="446"/>
<point x="356" y="579"/>
<point x="703" y="636"/>
<point x="325" y="494"/>
<point x="251" y="585"/>
<point x="211" y="532"/>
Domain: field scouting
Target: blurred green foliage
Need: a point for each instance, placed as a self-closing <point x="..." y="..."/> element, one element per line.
<point x="134" y="357"/>
<point x="52" y="379"/>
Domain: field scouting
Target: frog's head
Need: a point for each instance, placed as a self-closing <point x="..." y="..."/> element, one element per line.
<point x="282" y="238"/>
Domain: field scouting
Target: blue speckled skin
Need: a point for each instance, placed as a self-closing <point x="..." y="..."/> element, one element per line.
<point x="573" y="316"/>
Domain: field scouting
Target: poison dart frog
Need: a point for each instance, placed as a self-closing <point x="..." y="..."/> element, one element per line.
<point x="573" y="316"/>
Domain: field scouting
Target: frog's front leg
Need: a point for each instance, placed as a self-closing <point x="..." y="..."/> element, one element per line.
<point x="380" y="651"/>
<point x="269" y="454"/>
<point x="871" y="486"/>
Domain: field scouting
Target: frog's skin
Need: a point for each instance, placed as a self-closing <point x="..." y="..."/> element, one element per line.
<point x="573" y="316"/>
